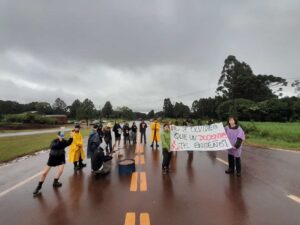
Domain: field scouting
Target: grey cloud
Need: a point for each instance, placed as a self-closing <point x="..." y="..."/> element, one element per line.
<point x="132" y="52"/>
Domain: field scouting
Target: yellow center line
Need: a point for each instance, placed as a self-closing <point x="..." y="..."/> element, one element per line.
<point x="142" y="149"/>
<point x="137" y="149"/>
<point x="142" y="160"/>
<point x="144" y="219"/>
<point x="130" y="219"/>
<point x="143" y="182"/>
<point x="134" y="182"/>
<point x="136" y="159"/>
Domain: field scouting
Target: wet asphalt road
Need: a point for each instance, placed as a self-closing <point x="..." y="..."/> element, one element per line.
<point x="197" y="191"/>
<point x="27" y="133"/>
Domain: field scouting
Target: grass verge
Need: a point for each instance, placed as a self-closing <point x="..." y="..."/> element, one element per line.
<point x="14" y="147"/>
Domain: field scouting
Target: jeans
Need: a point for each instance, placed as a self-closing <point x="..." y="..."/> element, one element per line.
<point x="126" y="138"/>
<point x="133" y="137"/>
<point x="143" y="135"/>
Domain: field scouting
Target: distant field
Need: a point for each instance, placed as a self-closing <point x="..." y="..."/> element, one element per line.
<point x="13" y="147"/>
<point x="271" y="134"/>
<point x="265" y="134"/>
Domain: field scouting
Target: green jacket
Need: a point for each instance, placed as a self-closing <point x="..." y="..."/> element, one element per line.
<point x="166" y="140"/>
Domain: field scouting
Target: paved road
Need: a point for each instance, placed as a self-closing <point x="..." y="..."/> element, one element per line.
<point x="31" y="133"/>
<point x="197" y="191"/>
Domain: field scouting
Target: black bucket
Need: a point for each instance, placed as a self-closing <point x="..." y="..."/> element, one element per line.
<point x="126" y="166"/>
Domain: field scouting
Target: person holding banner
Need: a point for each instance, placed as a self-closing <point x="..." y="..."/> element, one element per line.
<point x="155" y="129"/>
<point x="166" y="145"/>
<point x="236" y="137"/>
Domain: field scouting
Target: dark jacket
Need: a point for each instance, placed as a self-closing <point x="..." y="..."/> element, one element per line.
<point x="58" y="147"/>
<point x="100" y="134"/>
<point x="126" y="130"/>
<point x="116" y="129"/>
<point x="143" y="127"/>
<point x="107" y="135"/>
<point x="134" y="128"/>
<point x="93" y="143"/>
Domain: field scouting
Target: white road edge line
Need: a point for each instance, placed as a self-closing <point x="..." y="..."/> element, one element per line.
<point x="19" y="184"/>
<point x="222" y="161"/>
<point x="294" y="198"/>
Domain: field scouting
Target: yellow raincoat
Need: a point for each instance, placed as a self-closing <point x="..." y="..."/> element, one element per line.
<point x="155" y="126"/>
<point x="76" y="148"/>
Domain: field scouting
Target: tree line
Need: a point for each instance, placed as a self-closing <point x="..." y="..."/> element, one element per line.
<point x="240" y="92"/>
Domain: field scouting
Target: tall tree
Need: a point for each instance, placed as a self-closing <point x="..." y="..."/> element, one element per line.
<point x="296" y="85"/>
<point x="168" y="108"/>
<point x="205" y="107"/>
<point x="126" y="113"/>
<point x="238" y="81"/>
<point x="59" y="106"/>
<point x="151" y="114"/>
<point x="44" y="108"/>
<point x="181" y="110"/>
<point x="107" y="109"/>
<point x="10" y="107"/>
<point x="74" y="108"/>
<point x="86" y="111"/>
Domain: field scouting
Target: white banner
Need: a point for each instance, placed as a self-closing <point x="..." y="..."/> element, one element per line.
<point x="199" y="138"/>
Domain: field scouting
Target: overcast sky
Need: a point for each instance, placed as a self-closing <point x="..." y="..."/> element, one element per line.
<point x="135" y="52"/>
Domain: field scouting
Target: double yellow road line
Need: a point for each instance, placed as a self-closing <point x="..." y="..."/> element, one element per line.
<point x="134" y="182"/>
<point x="139" y="159"/>
<point x="138" y="180"/>
<point x="130" y="219"/>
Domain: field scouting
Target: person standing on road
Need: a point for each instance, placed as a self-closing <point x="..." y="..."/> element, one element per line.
<point x="167" y="154"/>
<point x="76" y="152"/>
<point x="134" y="129"/>
<point x="117" y="129"/>
<point x="108" y="138"/>
<point x="94" y="142"/>
<point x="126" y="133"/>
<point x="57" y="157"/>
<point x="155" y="129"/>
<point x="143" y="128"/>
<point x="236" y="137"/>
<point x="100" y="132"/>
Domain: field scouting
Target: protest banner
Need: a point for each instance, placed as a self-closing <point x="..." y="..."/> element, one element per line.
<point x="199" y="138"/>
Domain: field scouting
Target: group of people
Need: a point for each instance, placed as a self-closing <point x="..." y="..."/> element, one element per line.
<point x="99" y="155"/>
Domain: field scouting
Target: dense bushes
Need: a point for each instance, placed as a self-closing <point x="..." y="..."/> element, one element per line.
<point x="28" y="118"/>
<point x="278" y="110"/>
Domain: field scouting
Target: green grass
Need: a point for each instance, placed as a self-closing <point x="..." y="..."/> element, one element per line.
<point x="13" y="147"/>
<point x="273" y="134"/>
